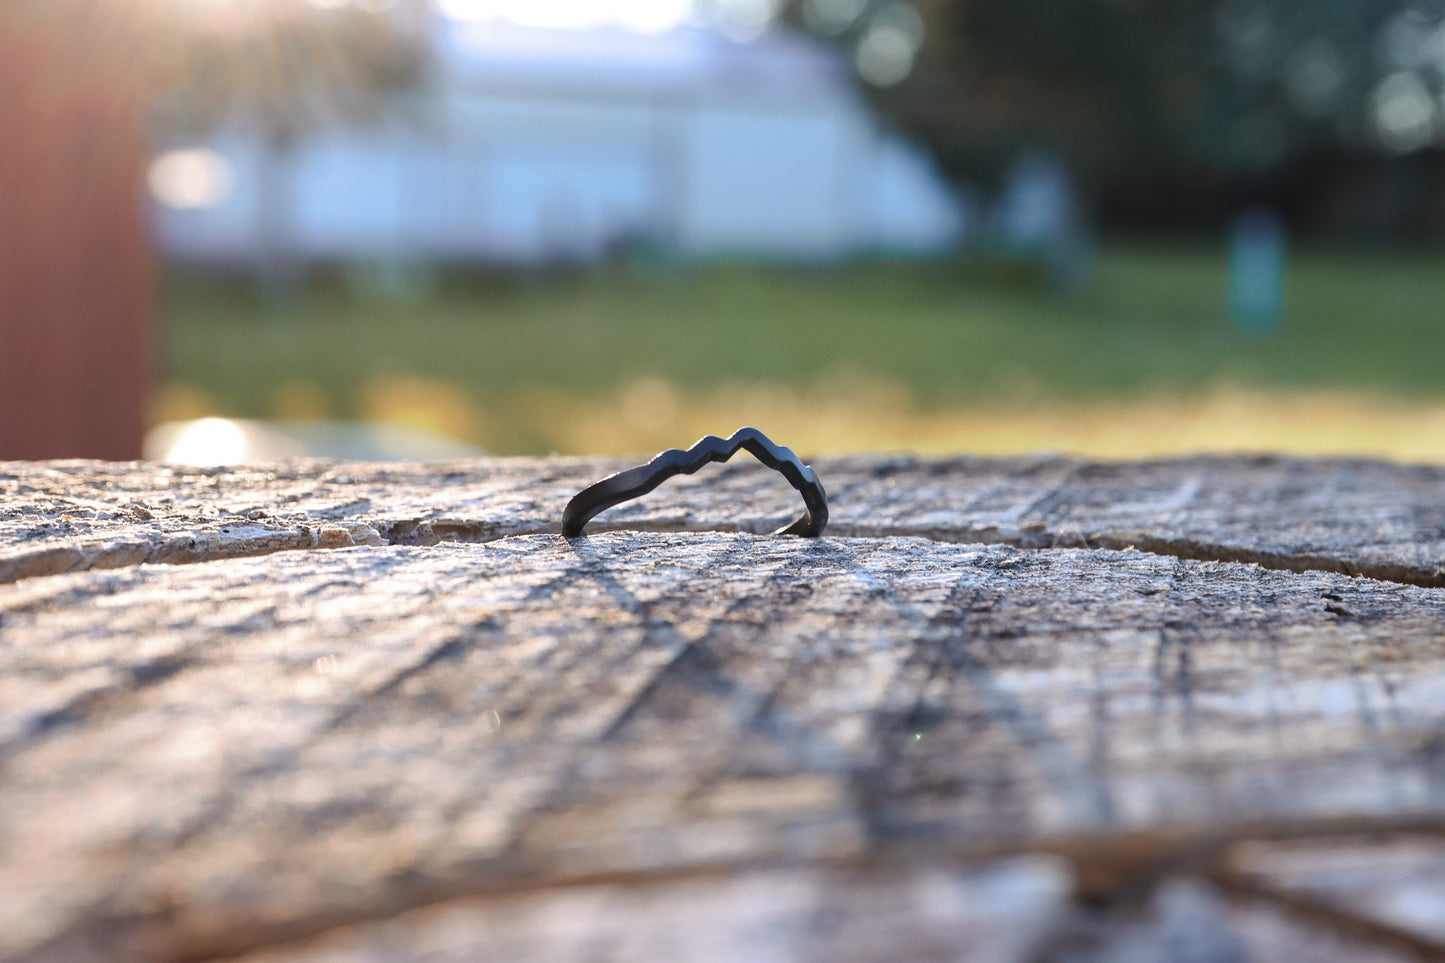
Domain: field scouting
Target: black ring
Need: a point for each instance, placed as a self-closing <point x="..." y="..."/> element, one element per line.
<point x="635" y="482"/>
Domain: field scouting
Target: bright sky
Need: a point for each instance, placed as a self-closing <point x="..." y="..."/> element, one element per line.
<point x="648" y="16"/>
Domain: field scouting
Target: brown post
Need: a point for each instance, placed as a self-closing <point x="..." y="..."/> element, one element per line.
<point x="75" y="262"/>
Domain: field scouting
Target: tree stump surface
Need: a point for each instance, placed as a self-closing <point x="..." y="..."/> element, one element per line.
<point x="1004" y="710"/>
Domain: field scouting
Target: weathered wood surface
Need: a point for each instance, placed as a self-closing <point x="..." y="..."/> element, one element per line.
<point x="1357" y="517"/>
<point x="703" y="744"/>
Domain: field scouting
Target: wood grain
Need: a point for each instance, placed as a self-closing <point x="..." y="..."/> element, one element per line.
<point x="1357" y="517"/>
<point x="511" y="740"/>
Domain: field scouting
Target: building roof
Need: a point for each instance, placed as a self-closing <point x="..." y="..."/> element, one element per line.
<point x="685" y="61"/>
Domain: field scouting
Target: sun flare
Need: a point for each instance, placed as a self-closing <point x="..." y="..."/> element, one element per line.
<point x="646" y="16"/>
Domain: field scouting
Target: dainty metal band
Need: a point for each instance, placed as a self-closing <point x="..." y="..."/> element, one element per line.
<point x="636" y="482"/>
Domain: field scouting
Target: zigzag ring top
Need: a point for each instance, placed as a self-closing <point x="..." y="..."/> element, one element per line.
<point x="636" y="482"/>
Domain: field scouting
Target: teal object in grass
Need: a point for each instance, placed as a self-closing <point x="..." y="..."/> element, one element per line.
<point x="1256" y="271"/>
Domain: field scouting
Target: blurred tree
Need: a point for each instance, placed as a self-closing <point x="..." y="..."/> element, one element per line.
<point x="288" y="64"/>
<point x="283" y="67"/>
<point x="76" y="79"/>
<point x="1168" y="109"/>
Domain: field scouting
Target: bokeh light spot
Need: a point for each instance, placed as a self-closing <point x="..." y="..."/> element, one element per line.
<point x="190" y="179"/>
<point x="886" y="51"/>
<point x="1404" y="112"/>
<point x="210" y="441"/>
<point x="884" y="56"/>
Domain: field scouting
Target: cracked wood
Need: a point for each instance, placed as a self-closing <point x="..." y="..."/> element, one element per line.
<point x="396" y="749"/>
<point x="1356" y="517"/>
<point x="266" y="746"/>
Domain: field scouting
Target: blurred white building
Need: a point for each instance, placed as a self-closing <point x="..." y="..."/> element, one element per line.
<point x="530" y="145"/>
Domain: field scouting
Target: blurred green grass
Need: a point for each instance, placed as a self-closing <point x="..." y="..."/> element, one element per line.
<point x="1151" y="323"/>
